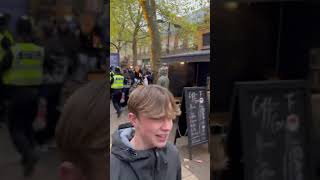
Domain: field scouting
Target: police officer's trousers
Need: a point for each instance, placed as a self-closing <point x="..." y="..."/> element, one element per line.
<point x="22" y="111"/>
<point x="116" y="97"/>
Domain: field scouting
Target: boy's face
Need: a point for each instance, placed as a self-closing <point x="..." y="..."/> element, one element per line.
<point x="152" y="132"/>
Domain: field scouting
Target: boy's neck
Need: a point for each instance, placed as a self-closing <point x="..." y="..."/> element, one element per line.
<point x="137" y="143"/>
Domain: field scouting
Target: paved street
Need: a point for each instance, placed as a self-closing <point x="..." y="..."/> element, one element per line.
<point x="191" y="170"/>
<point x="10" y="168"/>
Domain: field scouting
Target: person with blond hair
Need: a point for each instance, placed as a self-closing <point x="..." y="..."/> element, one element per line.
<point x="82" y="134"/>
<point x="140" y="151"/>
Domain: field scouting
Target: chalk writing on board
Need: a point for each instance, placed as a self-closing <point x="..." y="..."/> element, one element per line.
<point x="196" y="114"/>
<point x="192" y="96"/>
<point x="267" y="109"/>
<point x="274" y="122"/>
<point x="262" y="144"/>
<point x="290" y="101"/>
<point x="191" y="106"/>
<point x="262" y="168"/>
<point x="295" y="165"/>
<point x="192" y="115"/>
<point x="263" y="171"/>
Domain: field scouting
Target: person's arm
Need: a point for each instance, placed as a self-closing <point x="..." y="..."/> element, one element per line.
<point x="7" y="59"/>
<point x="112" y="79"/>
<point x="6" y="62"/>
<point x="47" y="63"/>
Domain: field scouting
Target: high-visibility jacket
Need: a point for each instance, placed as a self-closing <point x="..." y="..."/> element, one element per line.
<point x="117" y="82"/>
<point x="9" y="35"/>
<point x="2" y="52"/>
<point x="26" y="69"/>
<point x="111" y="75"/>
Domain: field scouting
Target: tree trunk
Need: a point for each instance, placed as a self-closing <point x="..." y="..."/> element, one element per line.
<point x="134" y="46"/>
<point x="136" y="21"/>
<point x="149" y="12"/>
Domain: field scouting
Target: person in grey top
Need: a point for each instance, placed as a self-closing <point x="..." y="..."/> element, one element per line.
<point x="140" y="150"/>
<point x="163" y="79"/>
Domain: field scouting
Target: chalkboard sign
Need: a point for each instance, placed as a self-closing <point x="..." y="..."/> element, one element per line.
<point x="194" y="109"/>
<point x="274" y="118"/>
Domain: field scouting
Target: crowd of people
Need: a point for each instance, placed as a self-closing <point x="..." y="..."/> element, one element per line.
<point x="37" y="60"/>
<point x="124" y="81"/>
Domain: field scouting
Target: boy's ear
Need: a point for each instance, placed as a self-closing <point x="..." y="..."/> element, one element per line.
<point x="68" y="171"/>
<point x="132" y="118"/>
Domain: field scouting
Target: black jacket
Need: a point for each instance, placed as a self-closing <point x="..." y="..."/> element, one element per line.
<point x="153" y="164"/>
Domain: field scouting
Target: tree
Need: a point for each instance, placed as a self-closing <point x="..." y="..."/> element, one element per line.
<point x="149" y="12"/>
<point x="136" y="18"/>
<point x="127" y="25"/>
<point x="135" y="23"/>
<point x="179" y="12"/>
<point x="119" y="35"/>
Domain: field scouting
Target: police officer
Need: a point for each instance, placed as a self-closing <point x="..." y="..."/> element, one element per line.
<point x="126" y="86"/>
<point x="111" y="74"/>
<point x="23" y="78"/>
<point x="117" y="87"/>
<point x="4" y="36"/>
<point x="4" y="30"/>
<point x="6" y="40"/>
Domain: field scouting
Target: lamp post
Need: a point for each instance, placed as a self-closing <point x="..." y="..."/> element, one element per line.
<point x="168" y="42"/>
<point x="168" y="32"/>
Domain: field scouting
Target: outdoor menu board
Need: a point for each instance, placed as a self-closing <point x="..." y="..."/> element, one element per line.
<point x="194" y="109"/>
<point x="274" y="118"/>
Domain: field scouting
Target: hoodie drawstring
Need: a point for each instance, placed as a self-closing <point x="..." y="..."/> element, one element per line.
<point x="158" y="161"/>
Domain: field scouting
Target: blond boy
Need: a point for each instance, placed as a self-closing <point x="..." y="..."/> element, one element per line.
<point x="141" y="152"/>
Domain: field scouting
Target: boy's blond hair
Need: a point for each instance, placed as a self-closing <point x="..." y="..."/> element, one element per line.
<point x="153" y="101"/>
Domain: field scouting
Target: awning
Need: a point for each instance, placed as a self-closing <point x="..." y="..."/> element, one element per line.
<point x="195" y="56"/>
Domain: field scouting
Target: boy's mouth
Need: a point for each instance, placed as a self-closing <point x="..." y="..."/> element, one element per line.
<point x="162" y="137"/>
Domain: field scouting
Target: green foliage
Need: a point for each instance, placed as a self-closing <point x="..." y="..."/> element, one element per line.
<point x="178" y="12"/>
<point x="119" y="24"/>
<point x="126" y="21"/>
<point x="126" y="17"/>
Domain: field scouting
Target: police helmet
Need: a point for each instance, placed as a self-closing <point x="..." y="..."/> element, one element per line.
<point x="2" y="19"/>
<point x="117" y="69"/>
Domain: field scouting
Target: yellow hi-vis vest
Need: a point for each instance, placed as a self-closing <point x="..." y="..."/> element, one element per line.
<point x="117" y="82"/>
<point x="26" y="69"/>
<point x="2" y="52"/>
<point x="111" y="75"/>
<point x="7" y="34"/>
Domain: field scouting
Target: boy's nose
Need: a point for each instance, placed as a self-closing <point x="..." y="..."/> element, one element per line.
<point x="167" y="125"/>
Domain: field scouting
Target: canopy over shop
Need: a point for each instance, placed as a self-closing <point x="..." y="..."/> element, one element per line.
<point x="187" y="70"/>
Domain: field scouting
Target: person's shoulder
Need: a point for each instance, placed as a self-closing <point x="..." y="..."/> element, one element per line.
<point x="172" y="149"/>
<point x="172" y="154"/>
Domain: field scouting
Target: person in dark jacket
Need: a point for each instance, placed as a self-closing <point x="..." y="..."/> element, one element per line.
<point x="83" y="135"/>
<point x="141" y="151"/>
